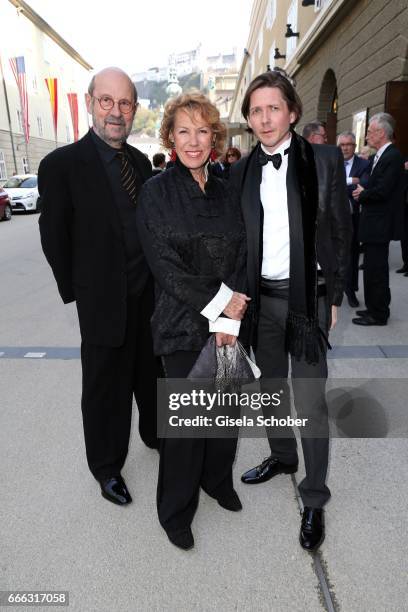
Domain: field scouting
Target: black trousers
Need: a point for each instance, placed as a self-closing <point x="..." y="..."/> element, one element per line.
<point x="110" y="378"/>
<point x="187" y="464"/>
<point x="377" y="294"/>
<point x="352" y="273"/>
<point x="404" y="241"/>
<point x="309" y="397"/>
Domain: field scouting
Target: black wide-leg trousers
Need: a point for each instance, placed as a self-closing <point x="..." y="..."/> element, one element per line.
<point x="110" y="378"/>
<point x="308" y="382"/>
<point x="186" y="463"/>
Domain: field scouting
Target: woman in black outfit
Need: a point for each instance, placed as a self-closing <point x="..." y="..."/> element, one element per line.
<point x="193" y="237"/>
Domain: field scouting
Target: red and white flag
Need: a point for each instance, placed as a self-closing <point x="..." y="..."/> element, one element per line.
<point x="18" y="68"/>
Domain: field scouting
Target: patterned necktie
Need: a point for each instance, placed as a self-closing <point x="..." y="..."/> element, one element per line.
<point x="128" y="176"/>
<point x="264" y="158"/>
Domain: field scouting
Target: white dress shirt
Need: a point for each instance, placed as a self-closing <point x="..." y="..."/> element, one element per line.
<point x="276" y="252"/>
<point x="348" y="164"/>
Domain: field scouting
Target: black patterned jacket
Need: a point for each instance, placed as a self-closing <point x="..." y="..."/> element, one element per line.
<point x="193" y="241"/>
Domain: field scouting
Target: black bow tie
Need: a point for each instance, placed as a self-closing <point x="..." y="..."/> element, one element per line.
<point x="264" y="158"/>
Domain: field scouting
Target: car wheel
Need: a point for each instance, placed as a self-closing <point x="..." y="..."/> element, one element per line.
<point x="7" y="213"/>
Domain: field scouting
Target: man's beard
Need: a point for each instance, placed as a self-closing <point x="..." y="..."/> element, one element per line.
<point x="101" y="130"/>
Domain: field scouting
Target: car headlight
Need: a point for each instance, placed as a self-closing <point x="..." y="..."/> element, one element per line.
<point x="28" y="195"/>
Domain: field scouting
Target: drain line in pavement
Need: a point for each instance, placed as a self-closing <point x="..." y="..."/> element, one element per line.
<point x="317" y="563"/>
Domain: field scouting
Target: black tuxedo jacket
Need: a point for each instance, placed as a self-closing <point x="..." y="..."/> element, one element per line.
<point x="382" y="202"/>
<point x="333" y="217"/>
<point x="361" y="170"/>
<point x="82" y="237"/>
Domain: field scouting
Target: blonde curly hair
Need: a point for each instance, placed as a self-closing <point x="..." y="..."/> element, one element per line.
<point x="191" y="102"/>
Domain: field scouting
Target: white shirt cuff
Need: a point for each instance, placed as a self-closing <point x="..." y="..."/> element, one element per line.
<point x="214" y="308"/>
<point x="227" y="326"/>
<point x="349" y="180"/>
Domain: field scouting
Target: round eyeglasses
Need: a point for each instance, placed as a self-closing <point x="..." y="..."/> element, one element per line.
<point x="107" y="103"/>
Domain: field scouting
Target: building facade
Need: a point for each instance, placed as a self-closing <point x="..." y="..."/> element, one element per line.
<point x="47" y="109"/>
<point x="347" y="57"/>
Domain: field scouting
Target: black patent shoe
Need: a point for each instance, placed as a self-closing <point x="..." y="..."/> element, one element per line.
<point x="183" y="538"/>
<point x="311" y="529"/>
<point x="230" y="502"/>
<point x="270" y="467"/>
<point x="402" y="270"/>
<point x="115" y="490"/>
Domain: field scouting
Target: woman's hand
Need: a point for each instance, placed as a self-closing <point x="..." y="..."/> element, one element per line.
<point x="222" y="339"/>
<point x="236" y="307"/>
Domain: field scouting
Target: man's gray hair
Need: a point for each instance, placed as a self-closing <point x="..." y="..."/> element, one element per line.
<point x="346" y="134"/>
<point x="386" y="122"/>
<point x="312" y="128"/>
<point x="91" y="87"/>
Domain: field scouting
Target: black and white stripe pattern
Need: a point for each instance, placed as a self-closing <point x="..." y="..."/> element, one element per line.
<point x="128" y="175"/>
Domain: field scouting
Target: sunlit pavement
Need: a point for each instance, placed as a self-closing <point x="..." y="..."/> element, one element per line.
<point x="58" y="533"/>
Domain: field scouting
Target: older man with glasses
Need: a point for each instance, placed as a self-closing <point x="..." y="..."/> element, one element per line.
<point x="381" y="220"/>
<point x="88" y="232"/>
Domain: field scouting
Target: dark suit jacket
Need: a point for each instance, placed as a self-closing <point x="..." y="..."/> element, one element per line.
<point x="82" y="237"/>
<point x="361" y="170"/>
<point x="333" y="219"/>
<point x="381" y="218"/>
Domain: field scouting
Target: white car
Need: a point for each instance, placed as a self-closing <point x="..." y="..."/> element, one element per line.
<point x="23" y="192"/>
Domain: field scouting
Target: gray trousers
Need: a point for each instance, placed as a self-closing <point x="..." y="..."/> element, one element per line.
<point x="309" y="397"/>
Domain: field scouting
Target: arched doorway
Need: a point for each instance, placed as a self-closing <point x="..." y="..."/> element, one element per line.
<point x="327" y="106"/>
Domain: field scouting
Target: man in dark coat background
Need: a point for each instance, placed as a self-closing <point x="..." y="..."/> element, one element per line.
<point x="356" y="172"/>
<point x="381" y="218"/>
<point x="88" y="233"/>
<point x="287" y="185"/>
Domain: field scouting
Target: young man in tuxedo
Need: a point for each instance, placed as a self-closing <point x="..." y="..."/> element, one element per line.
<point x="381" y="218"/>
<point x="356" y="172"/>
<point x="88" y="233"/>
<point x="286" y="186"/>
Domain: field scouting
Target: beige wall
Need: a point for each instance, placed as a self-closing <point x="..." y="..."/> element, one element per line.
<point x="364" y="42"/>
<point x="43" y="58"/>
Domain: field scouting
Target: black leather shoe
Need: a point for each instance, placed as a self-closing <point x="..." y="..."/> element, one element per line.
<point x="367" y="320"/>
<point x="270" y="467"/>
<point x="182" y="538"/>
<point x="352" y="299"/>
<point x="362" y="313"/>
<point x="311" y="528"/>
<point x="406" y="274"/>
<point x="403" y="270"/>
<point x="115" y="490"/>
<point x="231" y="502"/>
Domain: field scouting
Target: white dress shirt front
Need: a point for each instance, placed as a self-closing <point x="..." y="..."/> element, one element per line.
<point x="273" y="192"/>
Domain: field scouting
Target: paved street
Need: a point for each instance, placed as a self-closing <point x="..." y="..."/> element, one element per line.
<point x="58" y="533"/>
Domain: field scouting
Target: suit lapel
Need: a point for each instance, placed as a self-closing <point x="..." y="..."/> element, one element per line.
<point x="252" y="214"/>
<point x="382" y="158"/>
<point x="93" y="175"/>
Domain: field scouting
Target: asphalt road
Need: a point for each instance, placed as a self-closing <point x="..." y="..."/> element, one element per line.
<point x="58" y="533"/>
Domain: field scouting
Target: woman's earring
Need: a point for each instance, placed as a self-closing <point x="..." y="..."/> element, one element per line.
<point x="213" y="154"/>
<point x="173" y="154"/>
